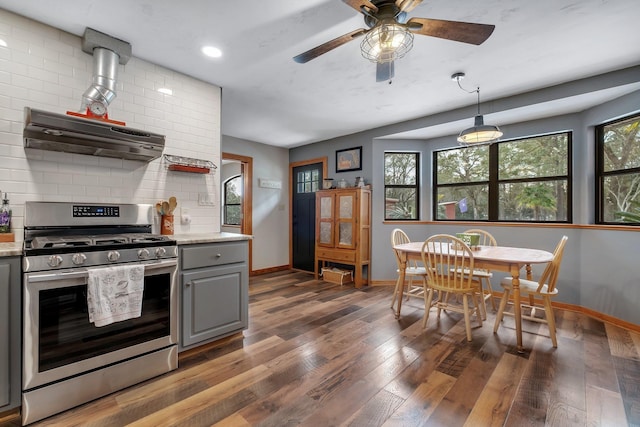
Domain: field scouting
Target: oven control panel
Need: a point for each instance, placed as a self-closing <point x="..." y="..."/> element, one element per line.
<point x="95" y="211"/>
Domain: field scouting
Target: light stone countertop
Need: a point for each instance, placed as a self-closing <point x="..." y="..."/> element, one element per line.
<point x="10" y="249"/>
<point x="188" y="239"/>
<point x="15" y="248"/>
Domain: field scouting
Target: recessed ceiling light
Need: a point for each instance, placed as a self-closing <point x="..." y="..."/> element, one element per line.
<point x="165" y="90"/>
<point x="212" y="52"/>
<point x="3" y="43"/>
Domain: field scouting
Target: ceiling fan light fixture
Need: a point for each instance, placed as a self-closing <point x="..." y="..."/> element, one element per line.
<point x="386" y="42"/>
<point x="479" y="133"/>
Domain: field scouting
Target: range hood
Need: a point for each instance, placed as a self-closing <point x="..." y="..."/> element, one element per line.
<point x="60" y="132"/>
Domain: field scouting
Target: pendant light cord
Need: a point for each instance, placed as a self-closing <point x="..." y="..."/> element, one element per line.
<point x="470" y="91"/>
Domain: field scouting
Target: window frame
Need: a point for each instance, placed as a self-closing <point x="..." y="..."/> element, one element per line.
<point x="601" y="174"/>
<point x="493" y="183"/>
<point x="415" y="186"/>
<point x="225" y="204"/>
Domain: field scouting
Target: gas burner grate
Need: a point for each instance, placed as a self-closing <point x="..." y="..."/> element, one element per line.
<point x="109" y="240"/>
<point x="59" y="242"/>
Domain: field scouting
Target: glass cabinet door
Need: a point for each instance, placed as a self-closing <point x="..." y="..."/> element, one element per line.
<point x="346" y="221"/>
<point x="325" y="227"/>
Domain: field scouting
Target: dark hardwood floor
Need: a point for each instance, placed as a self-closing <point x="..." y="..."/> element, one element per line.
<point x="318" y="354"/>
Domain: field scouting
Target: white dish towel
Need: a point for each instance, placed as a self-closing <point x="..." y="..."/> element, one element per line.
<point x="115" y="293"/>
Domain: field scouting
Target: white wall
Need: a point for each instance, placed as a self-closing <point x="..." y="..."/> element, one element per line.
<point x="270" y="206"/>
<point x="45" y="68"/>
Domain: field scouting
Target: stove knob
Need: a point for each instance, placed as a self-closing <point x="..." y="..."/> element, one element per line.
<point x="54" y="261"/>
<point x="113" y="256"/>
<point x="79" y="259"/>
<point x="160" y="252"/>
<point x="143" y="253"/>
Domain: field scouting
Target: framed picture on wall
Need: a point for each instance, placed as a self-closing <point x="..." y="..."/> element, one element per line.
<point x="349" y="159"/>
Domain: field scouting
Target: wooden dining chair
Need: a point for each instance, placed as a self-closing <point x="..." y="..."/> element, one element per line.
<point x="484" y="275"/>
<point x="412" y="271"/>
<point x="544" y="289"/>
<point x="445" y="258"/>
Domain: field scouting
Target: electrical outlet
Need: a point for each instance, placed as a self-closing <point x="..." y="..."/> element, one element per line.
<point x="185" y="218"/>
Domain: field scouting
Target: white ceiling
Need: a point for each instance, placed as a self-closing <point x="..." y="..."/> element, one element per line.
<point x="269" y="98"/>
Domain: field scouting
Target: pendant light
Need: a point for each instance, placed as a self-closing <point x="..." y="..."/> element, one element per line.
<point x="479" y="133"/>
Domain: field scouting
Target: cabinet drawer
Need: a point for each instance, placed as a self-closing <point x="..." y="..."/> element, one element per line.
<point x="207" y="255"/>
<point x="336" y="255"/>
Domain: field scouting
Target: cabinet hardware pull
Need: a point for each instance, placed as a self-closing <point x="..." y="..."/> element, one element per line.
<point x="187" y="284"/>
<point x="218" y="255"/>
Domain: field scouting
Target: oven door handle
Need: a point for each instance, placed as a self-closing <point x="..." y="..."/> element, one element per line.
<point x="80" y="273"/>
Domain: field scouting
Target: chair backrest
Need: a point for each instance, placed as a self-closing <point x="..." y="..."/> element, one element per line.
<point x="398" y="237"/>
<point x="550" y="274"/>
<point x="446" y="257"/>
<point x="486" y="239"/>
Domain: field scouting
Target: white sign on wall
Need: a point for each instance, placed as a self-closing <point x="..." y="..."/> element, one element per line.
<point x="269" y="183"/>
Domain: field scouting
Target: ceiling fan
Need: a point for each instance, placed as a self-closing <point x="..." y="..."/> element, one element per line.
<point x="390" y="34"/>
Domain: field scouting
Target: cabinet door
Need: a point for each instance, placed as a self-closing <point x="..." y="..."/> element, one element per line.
<point x="5" y="331"/>
<point x="346" y="220"/>
<point x="325" y="232"/>
<point x="215" y="303"/>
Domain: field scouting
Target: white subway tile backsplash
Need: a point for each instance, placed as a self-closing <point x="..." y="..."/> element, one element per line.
<point x="45" y="68"/>
<point x="57" y="178"/>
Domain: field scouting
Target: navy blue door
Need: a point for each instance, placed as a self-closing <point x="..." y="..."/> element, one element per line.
<point x="307" y="180"/>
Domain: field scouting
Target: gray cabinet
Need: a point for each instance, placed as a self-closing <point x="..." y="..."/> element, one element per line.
<point x="10" y="333"/>
<point x="214" y="279"/>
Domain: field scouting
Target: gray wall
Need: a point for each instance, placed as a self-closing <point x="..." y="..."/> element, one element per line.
<point x="270" y="247"/>
<point x="600" y="269"/>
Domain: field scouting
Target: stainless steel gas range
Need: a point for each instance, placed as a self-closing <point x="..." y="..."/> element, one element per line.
<point x="68" y="359"/>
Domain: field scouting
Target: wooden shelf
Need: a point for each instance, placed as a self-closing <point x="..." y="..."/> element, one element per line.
<point x="187" y="164"/>
<point x="192" y="169"/>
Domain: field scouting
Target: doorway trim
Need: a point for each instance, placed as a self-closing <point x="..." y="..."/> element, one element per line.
<point x="293" y="165"/>
<point x="246" y="167"/>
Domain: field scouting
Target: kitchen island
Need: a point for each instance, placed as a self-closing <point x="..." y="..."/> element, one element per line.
<point x="213" y="275"/>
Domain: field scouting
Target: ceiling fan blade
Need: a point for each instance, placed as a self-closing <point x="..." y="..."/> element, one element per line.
<point x="360" y="4"/>
<point x="465" y="32"/>
<point x="384" y="71"/>
<point x="326" y="47"/>
<point x="407" y="5"/>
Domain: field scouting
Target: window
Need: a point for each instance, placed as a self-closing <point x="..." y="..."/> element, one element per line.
<point x="308" y="181"/>
<point x="233" y="200"/>
<point x="618" y="172"/>
<point x="401" y="186"/>
<point x="520" y="180"/>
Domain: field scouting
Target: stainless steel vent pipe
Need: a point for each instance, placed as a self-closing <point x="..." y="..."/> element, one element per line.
<point x="107" y="53"/>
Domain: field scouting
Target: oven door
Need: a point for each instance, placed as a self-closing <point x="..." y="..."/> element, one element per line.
<point x="59" y="341"/>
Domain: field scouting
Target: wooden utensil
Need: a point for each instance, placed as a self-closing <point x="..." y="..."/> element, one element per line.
<point x="159" y="208"/>
<point x="172" y="204"/>
<point x="165" y="208"/>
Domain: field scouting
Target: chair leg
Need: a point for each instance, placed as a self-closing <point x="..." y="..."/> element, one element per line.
<point x="395" y="292"/>
<point x="483" y="307"/>
<point x="425" y="290"/>
<point x="551" y="321"/>
<point x="426" y="308"/>
<point x="409" y="289"/>
<point x="503" y="305"/>
<point x="467" y="320"/>
<point x="477" y="309"/>
<point x="491" y="297"/>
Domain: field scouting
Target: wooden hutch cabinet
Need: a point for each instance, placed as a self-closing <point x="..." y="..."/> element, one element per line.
<point x="343" y="230"/>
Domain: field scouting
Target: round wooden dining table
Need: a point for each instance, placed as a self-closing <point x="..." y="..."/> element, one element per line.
<point x="493" y="258"/>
